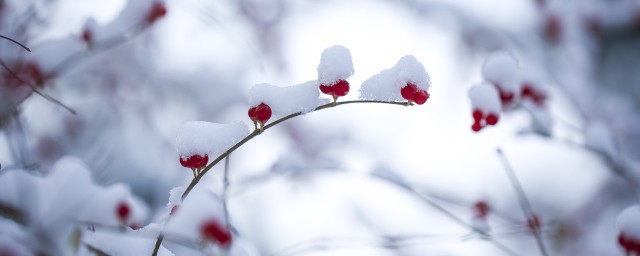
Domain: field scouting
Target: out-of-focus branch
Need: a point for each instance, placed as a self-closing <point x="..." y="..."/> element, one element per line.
<point x="16" y="42"/>
<point x="523" y="200"/>
<point x="13" y="214"/>
<point x="35" y="89"/>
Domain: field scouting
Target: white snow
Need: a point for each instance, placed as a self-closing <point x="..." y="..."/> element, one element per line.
<point x="485" y="97"/>
<point x="502" y="68"/>
<point x="283" y="101"/>
<point x="600" y="138"/>
<point x="53" y="204"/>
<point x="9" y="246"/>
<point x="335" y="64"/>
<point x="387" y="84"/>
<point x="629" y="222"/>
<point x="123" y="243"/>
<point x="213" y="139"/>
<point x="200" y="206"/>
<point x="175" y="197"/>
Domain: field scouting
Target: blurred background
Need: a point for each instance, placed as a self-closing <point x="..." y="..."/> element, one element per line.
<point x="304" y="187"/>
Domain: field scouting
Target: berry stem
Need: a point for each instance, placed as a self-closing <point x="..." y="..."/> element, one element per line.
<point x="522" y="199"/>
<point x="16" y="42"/>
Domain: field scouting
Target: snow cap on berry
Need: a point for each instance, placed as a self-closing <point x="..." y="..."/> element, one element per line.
<point x="212" y="139"/>
<point x="283" y="101"/>
<point x="629" y="222"/>
<point x="501" y="68"/>
<point x="485" y="97"/>
<point x="387" y="84"/>
<point x="335" y="64"/>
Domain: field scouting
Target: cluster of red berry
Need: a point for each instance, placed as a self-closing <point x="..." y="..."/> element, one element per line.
<point x="480" y="119"/>
<point x="412" y="93"/>
<point x="629" y="244"/>
<point x="214" y="231"/>
<point x="338" y="89"/>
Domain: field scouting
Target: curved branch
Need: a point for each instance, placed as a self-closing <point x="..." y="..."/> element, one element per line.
<point x="255" y="133"/>
<point x="16" y="42"/>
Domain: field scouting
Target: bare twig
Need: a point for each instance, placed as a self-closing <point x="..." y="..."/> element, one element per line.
<point x="13" y="214"/>
<point x="450" y="215"/>
<point x="16" y="42"/>
<point x="522" y="200"/>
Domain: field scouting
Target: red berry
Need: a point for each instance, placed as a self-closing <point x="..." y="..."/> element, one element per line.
<point x="553" y="28"/>
<point x="409" y="91"/>
<point x="326" y="89"/>
<point x="533" y="223"/>
<point x="157" y="11"/>
<point x="194" y="161"/>
<point x="213" y="231"/>
<point x="477" y="114"/>
<point x="341" y="88"/>
<point x="476" y="127"/>
<point x="420" y="97"/>
<point x="123" y="211"/>
<point x="481" y="208"/>
<point x="252" y="114"/>
<point x="492" y="119"/>
<point x="174" y="209"/>
<point x="87" y="36"/>
<point x="263" y="113"/>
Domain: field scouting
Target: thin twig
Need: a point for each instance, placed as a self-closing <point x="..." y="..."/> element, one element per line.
<point x="35" y="89"/>
<point x="452" y="216"/>
<point x="156" y="248"/>
<point x="522" y="199"/>
<point x="16" y="42"/>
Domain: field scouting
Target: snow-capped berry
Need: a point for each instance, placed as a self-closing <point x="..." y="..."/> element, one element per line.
<point x="537" y="96"/>
<point x="476" y="127"/>
<point x="340" y="88"/>
<point x="263" y="113"/>
<point x="157" y="11"/>
<point x="481" y="209"/>
<point x="492" y="119"/>
<point x="420" y="97"/>
<point x="408" y="91"/>
<point x="629" y="225"/>
<point x="477" y="114"/>
<point x="214" y="231"/>
<point x="123" y="211"/>
<point x="335" y="65"/>
<point x="326" y="89"/>
<point x="252" y="114"/>
<point x="194" y="161"/>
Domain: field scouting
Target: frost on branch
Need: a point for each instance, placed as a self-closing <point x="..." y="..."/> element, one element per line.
<point x="388" y="84"/>
<point x="485" y="105"/>
<point x="335" y="64"/>
<point x="286" y="100"/>
<point x="501" y="69"/>
<point x="204" y="138"/>
<point x="629" y="226"/>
